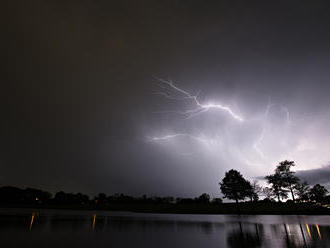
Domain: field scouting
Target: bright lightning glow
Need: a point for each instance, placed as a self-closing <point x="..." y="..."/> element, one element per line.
<point x="221" y="145"/>
<point x="180" y="94"/>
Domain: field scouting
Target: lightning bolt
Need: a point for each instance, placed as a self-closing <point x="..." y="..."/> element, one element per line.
<point x="173" y="92"/>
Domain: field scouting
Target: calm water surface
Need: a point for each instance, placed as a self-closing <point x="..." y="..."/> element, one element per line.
<point x="62" y="228"/>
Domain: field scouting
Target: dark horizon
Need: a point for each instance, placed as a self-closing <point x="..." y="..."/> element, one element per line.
<point x="84" y="109"/>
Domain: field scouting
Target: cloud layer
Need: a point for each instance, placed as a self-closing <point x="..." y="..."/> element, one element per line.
<point x="78" y="109"/>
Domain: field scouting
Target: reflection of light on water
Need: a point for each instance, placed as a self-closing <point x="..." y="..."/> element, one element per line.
<point x="32" y="219"/>
<point x="318" y="231"/>
<point x="309" y="232"/>
<point x="93" y="225"/>
<point x="288" y="227"/>
<point x="302" y="234"/>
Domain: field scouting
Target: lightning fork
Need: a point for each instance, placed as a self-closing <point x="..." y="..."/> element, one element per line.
<point x="181" y="94"/>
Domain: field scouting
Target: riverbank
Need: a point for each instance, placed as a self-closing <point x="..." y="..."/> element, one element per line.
<point x="248" y="208"/>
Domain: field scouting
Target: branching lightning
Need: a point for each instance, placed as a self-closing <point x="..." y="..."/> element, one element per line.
<point x="173" y="92"/>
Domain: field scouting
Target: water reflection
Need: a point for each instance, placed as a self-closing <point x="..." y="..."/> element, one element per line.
<point x="318" y="231"/>
<point x="284" y="235"/>
<point x="308" y="231"/>
<point x="245" y="236"/>
<point x="31" y="222"/>
<point x="93" y="224"/>
<point x="106" y="229"/>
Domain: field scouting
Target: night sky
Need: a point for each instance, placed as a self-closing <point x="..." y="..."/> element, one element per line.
<point x="83" y="108"/>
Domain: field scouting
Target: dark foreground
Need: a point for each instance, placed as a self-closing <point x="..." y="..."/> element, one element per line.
<point x="69" y="228"/>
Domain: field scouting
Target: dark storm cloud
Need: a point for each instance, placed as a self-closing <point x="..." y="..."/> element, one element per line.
<point x="77" y="103"/>
<point x="314" y="176"/>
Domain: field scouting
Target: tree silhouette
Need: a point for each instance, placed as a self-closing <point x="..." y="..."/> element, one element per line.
<point x="101" y="198"/>
<point x="244" y="238"/>
<point x="70" y="198"/>
<point x="268" y="193"/>
<point x="283" y="180"/>
<point x="302" y="191"/>
<point x="254" y="191"/>
<point x="277" y="186"/>
<point x="203" y="198"/>
<point x="288" y="177"/>
<point x="36" y="195"/>
<point x="318" y="193"/>
<point x="234" y="186"/>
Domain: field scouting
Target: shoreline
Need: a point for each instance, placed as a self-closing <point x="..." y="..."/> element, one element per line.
<point x="221" y="209"/>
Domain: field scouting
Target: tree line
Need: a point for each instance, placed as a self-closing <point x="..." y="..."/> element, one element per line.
<point x="282" y="184"/>
<point x="14" y="195"/>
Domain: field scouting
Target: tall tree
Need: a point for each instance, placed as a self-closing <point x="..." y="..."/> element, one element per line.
<point x="288" y="177"/>
<point x="283" y="180"/>
<point x="234" y="186"/>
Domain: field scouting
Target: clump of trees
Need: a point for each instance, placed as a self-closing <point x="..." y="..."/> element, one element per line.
<point x="70" y="198"/>
<point x="235" y="187"/>
<point x="282" y="184"/>
<point x="318" y="193"/>
<point x="283" y="180"/>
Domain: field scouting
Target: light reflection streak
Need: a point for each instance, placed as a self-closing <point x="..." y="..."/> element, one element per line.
<point x="93" y="225"/>
<point x="318" y="231"/>
<point x="303" y="235"/>
<point x="31" y="222"/>
<point x="309" y="232"/>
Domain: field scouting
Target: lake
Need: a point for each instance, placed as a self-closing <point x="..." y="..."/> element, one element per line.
<point x="66" y="228"/>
